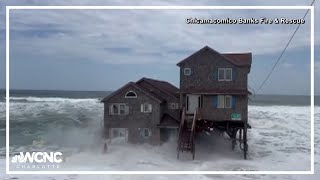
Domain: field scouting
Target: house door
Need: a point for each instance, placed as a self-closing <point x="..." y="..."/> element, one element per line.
<point x="193" y="102"/>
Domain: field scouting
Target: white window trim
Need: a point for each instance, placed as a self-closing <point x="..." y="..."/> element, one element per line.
<point x="224" y="101"/>
<point x="131" y="96"/>
<point x="149" y="132"/>
<point x="143" y="108"/>
<point x="225" y="74"/>
<point x="219" y="79"/>
<point x="219" y="102"/>
<point x="184" y="71"/>
<point x="126" y="109"/>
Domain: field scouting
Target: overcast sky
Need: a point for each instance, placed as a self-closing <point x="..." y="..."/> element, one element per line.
<point x="104" y="49"/>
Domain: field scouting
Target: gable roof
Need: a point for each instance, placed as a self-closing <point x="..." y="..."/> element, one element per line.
<point x="163" y="86"/>
<point x="238" y="59"/>
<point x="135" y="86"/>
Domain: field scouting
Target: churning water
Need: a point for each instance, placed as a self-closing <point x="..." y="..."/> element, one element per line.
<point x="71" y="122"/>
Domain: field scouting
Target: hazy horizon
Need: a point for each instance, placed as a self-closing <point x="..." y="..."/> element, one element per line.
<point x="119" y="87"/>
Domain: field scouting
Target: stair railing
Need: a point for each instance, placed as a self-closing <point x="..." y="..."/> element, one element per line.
<point x="193" y="131"/>
<point x="183" y="116"/>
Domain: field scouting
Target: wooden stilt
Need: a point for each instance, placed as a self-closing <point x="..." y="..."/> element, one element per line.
<point x="193" y="152"/>
<point x="234" y="137"/>
<point x="245" y="145"/>
<point x="105" y="147"/>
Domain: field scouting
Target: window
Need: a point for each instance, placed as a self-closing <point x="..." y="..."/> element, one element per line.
<point x="119" y="132"/>
<point x="119" y="109"/>
<point x="228" y="74"/>
<point x="146" y="132"/>
<point x="228" y="101"/>
<point x="221" y="74"/>
<point x="122" y="109"/>
<point x="225" y="74"/>
<point x="173" y="106"/>
<point x="146" y="108"/>
<point x="224" y="101"/>
<point x="220" y="101"/>
<point x="114" y="109"/>
<point x="187" y="71"/>
<point x="131" y="94"/>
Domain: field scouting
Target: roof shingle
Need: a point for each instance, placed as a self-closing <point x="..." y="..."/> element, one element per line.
<point x="238" y="59"/>
<point x="163" y="86"/>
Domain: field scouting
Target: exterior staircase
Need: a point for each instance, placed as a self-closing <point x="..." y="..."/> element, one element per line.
<point x="187" y="130"/>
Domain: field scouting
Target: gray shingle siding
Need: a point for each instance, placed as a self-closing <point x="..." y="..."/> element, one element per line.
<point x="210" y="112"/>
<point x="204" y="77"/>
<point x="204" y="67"/>
<point x="168" y="99"/>
<point x="135" y="119"/>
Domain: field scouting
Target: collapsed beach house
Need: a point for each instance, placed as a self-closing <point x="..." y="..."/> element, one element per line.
<point x="213" y="95"/>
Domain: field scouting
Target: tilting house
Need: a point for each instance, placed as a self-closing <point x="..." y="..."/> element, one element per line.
<point x="213" y="94"/>
<point x="142" y="111"/>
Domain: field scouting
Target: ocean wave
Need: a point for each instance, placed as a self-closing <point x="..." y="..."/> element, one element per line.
<point x="51" y="99"/>
<point x="278" y="133"/>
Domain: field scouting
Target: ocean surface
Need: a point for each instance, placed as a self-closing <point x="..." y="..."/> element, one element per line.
<point x="58" y="117"/>
<point x="71" y="122"/>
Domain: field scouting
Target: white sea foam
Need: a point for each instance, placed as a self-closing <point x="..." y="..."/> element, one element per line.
<point x="35" y="106"/>
<point x="51" y="99"/>
<point x="279" y="140"/>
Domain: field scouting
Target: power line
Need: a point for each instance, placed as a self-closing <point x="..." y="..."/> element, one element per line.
<point x="285" y="48"/>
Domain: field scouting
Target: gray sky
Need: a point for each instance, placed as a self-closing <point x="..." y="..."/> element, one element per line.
<point x="104" y="49"/>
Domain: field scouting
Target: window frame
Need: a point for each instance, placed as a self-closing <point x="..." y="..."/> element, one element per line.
<point x="225" y="101"/>
<point x="225" y="74"/>
<point x="222" y="98"/>
<point x="144" y="130"/>
<point x="126" y="96"/>
<point x="220" y="79"/>
<point x="118" y="105"/>
<point x="124" y="109"/>
<point x="187" y="74"/>
<point x="146" y="108"/>
<point x="112" y="112"/>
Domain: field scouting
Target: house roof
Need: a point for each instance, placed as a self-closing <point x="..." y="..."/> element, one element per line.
<point x="135" y="86"/>
<point x="163" y="86"/>
<point x="219" y="91"/>
<point x="238" y="59"/>
<point x="168" y="121"/>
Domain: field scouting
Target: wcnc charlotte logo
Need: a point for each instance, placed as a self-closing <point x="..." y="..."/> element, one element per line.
<point x="36" y="160"/>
